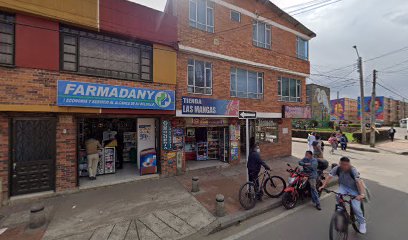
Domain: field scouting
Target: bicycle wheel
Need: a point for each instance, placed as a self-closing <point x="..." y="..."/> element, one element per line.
<point x="274" y="186"/>
<point x="339" y="226"/>
<point x="247" y="195"/>
<point x="353" y="218"/>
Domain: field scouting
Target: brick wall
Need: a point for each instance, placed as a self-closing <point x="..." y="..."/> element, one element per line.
<point x="221" y="84"/>
<point x="39" y="87"/>
<point x="4" y="156"/>
<point x="66" y="161"/>
<point x="283" y="147"/>
<point x="238" y="42"/>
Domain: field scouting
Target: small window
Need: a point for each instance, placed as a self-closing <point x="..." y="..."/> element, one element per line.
<point x="289" y="90"/>
<point x="6" y="39"/>
<point x="261" y="35"/>
<point x="246" y="84"/>
<point x="201" y="15"/>
<point x="199" y="77"/>
<point x="235" y="16"/>
<point x="302" y="48"/>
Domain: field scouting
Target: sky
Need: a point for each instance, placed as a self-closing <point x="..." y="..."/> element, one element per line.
<point x="376" y="27"/>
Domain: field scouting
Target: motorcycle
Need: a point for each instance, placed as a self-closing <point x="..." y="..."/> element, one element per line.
<point x="298" y="185"/>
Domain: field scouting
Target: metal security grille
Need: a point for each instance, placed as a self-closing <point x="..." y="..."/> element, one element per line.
<point x="101" y="55"/>
<point x="33" y="155"/>
<point x="7" y="39"/>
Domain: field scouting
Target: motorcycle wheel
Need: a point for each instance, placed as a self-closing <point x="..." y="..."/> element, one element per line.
<point x="289" y="200"/>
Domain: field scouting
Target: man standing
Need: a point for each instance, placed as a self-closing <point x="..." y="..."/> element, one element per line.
<point x="309" y="165"/>
<point x="254" y="166"/>
<point x="391" y="133"/>
<point x="350" y="183"/>
<point x="92" y="146"/>
<point x="310" y="139"/>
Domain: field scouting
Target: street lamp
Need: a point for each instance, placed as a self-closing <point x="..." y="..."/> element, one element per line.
<point x="355" y="47"/>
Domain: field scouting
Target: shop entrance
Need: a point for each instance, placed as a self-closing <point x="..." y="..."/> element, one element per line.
<point x="33" y="155"/>
<point x="128" y="149"/>
<point x="207" y="143"/>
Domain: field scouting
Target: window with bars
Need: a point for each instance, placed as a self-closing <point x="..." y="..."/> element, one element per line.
<point x="302" y="48"/>
<point x="199" y="77"/>
<point x="101" y="55"/>
<point x="201" y="15"/>
<point x="246" y="84"/>
<point x="289" y="90"/>
<point x="261" y="35"/>
<point x="7" y="39"/>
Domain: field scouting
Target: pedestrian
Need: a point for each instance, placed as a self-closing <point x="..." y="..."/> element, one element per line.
<point x="309" y="165"/>
<point x="310" y="139"/>
<point x="317" y="151"/>
<point x="391" y="133"/>
<point x="254" y="167"/>
<point x="92" y="145"/>
<point x="333" y="142"/>
<point x="320" y="141"/>
<point x="343" y="142"/>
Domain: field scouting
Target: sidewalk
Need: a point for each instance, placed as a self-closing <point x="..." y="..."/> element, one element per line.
<point x="399" y="146"/>
<point x="354" y="146"/>
<point x="156" y="209"/>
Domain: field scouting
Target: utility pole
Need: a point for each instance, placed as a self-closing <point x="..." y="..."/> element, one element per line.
<point x="373" y="111"/>
<point x="362" y="109"/>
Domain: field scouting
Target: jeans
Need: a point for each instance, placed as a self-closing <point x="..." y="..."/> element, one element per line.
<point x="354" y="203"/>
<point x="253" y="177"/>
<point x="313" y="191"/>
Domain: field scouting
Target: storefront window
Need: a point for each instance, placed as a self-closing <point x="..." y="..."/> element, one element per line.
<point x="267" y="130"/>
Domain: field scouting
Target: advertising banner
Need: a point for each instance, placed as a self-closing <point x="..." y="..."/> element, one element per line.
<point x="379" y="108"/>
<point x="95" y="95"/>
<point x="209" y="106"/>
<point x="166" y="135"/>
<point x="337" y="109"/>
<point x="297" y="112"/>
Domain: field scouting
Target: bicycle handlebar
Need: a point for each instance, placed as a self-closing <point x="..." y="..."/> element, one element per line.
<point x="340" y="194"/>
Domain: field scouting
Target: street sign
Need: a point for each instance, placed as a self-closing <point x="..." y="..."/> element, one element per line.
<point x="247" y="115"/>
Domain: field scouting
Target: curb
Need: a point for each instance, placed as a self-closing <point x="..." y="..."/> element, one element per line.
<point x="350" y="146"/>
<point x="230" y="220"/>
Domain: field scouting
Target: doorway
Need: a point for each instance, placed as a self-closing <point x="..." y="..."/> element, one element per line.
<point x="33" y="153"/>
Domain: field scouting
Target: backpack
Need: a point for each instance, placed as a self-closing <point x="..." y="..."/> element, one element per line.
<point x="367" y="199"/>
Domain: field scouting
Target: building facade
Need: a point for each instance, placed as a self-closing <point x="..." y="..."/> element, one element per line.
<point x="344" y="109"/>
<point x="238" y="55"/>
<point x="388" y="110"/>
<point x="88" y="69"/>
<point x="318" y="98"/>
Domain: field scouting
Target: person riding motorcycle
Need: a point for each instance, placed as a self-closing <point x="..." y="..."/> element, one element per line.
<point x="350" y="183"/>
<point x="254" y="166"/>
<point x="309" y="165"/>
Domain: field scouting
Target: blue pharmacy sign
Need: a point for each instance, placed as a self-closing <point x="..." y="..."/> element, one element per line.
<point x="95" y="95"/>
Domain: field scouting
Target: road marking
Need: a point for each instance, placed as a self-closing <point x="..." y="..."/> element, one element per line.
<point x="269" y="221"/>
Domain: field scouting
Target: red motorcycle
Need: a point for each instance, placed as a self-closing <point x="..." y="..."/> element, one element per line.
<point x="298" y="187"/>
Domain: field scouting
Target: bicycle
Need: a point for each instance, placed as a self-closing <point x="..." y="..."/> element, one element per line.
<point x="342" y="218"/>
<point x="273" y="186"/>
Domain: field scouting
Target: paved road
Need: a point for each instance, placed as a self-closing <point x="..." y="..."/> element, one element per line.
<point x="387" y="214"/>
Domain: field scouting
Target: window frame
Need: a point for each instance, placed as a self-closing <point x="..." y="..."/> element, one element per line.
<point x="194" y="22"/>
<point x="205" y="77"/>
<point x="306" y="43"/>
<point x="298" y="90"/>
<point x="4" y="20"/>
<point x="268" y="29"/>
<point x="105" y="38"/>
<point x="239" y="16"/>
<point x="259" y="78"/>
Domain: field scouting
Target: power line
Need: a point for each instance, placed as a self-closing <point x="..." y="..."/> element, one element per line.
<point x="308" y="10"/>
<point x="302" y="4"/>
<point x="388" y="53"/>
<point x="312" y="5"/>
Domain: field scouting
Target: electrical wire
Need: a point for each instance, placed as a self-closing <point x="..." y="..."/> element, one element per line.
<point x="312" y="5"/>
<point x="324" y="5"/>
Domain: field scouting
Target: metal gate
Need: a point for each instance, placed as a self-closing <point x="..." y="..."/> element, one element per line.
<point x="33" y="155"/>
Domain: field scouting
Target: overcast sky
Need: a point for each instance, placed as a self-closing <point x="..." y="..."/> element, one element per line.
<point x="375" y="26"/>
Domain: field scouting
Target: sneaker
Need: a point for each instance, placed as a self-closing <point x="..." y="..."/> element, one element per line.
<point x="318" y="207"/>
<point x="363" y="228"/>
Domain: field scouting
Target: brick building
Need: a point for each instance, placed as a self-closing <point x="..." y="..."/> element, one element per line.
<point x="247" y="55"/>
<point x="344" y="109"/>
<point x="388" y="110"/>
<point x="69" y="72"/>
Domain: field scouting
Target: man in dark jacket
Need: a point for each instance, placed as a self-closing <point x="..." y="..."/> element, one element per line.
<point x="254" y="166"/>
